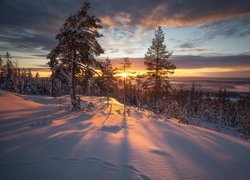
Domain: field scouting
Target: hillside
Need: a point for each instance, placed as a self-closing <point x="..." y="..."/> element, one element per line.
<point x="41" y="139"/>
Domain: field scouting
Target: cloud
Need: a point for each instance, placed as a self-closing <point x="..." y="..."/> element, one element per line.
<point x="187" y="45"/>
<point x="239" y="27"/>
<point x="197" y="62"/>
<point x="110" y="50"/>
<point x="38" y="69"/>
<point x="172" y="12"/>
<point x="32" y="25"/>
<point x="40" y="55"/>
<point x="193" y="62"/>
<point x="191" y="50"/>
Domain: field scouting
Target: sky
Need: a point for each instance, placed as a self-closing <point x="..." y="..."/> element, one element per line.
<point x="209" y="38"/>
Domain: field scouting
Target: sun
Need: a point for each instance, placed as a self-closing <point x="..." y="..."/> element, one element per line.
<point x="123" y="74"/>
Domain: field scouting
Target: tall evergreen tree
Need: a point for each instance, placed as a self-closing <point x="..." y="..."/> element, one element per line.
<point x="77" y="48"/>
<point x="8" y="67"/>
<point x="158" y="66"/>
<point x="8" y="72"/>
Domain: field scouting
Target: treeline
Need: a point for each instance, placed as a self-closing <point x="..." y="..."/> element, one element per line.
<point x="20" y="80"/>
<point x="189" y="106"/>
<point x="193" y="106"/>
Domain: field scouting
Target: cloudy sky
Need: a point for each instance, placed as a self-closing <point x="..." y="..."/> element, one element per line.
<point x="209" y="37"/>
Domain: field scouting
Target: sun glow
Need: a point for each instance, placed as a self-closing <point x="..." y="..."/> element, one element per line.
<point x="123" y="74"/>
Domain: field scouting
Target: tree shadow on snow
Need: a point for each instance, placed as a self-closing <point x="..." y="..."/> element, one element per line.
<point x="111" y="129"/>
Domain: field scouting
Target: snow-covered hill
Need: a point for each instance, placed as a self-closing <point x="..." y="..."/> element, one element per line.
<point x="41" y="139"/>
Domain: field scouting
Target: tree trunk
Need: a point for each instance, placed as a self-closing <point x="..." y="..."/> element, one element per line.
<point x="124" y="96"/>
<point x="156" y="90"/>
<point x="74" y="102"/>
<point x="52" y="85"/>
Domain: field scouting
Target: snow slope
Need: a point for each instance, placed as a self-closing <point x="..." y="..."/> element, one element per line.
<point x="41" y="139"/>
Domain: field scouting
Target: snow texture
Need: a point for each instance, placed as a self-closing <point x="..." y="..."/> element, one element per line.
<point x="39" y="139"/>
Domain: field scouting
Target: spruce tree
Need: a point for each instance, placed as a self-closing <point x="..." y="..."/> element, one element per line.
<point x="8" y="72"/>
<point x="9" y="67"/>
<point x="76" y="49"/>
<point x="158" y="66"/>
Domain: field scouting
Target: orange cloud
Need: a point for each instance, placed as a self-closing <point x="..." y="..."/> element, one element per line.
<point x="173" y="14"/>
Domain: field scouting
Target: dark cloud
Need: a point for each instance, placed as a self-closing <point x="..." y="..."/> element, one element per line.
<point x="187" y="45"/>
<point x="175" y="12"/>
<point x="196" y="62"/>
<point x="193" y="62"/>
<point x="229" y="28"/>
<point x="26" y="25"/>
<point x="40" y="55"/>
<point x="29" y="25"/>
<point x="192" y="50"/>
<point x="38" y="69"/>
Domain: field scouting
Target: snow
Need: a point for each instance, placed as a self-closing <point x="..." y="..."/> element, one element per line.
<point x="41" y="140"/>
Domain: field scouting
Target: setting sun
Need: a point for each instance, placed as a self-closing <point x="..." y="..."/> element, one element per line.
<point x="123" y="74"/>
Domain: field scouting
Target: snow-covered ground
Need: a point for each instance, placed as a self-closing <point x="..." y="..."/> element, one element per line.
<point x="41" y="139"/>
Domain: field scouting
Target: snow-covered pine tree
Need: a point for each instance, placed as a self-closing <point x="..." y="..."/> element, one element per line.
<point x="8" y="74"/>
<point x="77" y="48"/>
<point x="158" y="66"/>
<point x="9" y="67"/>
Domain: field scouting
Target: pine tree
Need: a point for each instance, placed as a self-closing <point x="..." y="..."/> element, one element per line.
<point x="158" y="66"/>
<point x="9" y="67"/>
<point x="37" y="76"/>
<point x="77" y="48"/>
<point x="30" y="74"/>
<point x="8" y="72"/>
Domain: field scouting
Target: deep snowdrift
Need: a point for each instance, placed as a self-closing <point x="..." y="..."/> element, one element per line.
<point x="41" y="139"/>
